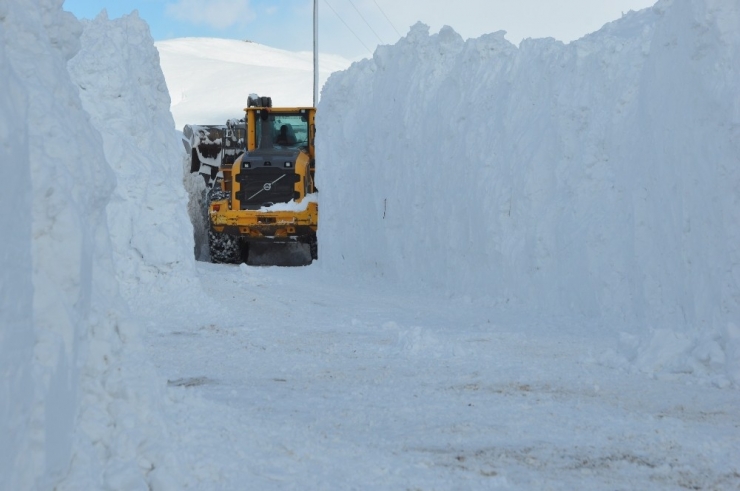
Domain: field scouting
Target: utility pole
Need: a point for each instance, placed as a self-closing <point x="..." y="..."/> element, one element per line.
<point x="315" y="52"/>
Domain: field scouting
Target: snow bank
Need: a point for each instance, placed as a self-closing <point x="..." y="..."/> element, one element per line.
<point x="16" y="290"/>
<point x="66" y="219"/>
<point x="71" y="415"/>
<point x="600" y="177"/>
<point x="123" y="89"/>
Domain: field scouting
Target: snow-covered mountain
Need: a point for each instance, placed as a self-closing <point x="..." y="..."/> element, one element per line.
<point x="209" y="80"/>
<point x="528" y="274"/>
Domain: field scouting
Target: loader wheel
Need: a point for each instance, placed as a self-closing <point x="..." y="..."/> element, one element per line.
<point x="314" y="249"/>
<point x="224" y="248"/>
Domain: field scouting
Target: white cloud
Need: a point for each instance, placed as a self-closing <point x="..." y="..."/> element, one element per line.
<point x="219" y="14"/>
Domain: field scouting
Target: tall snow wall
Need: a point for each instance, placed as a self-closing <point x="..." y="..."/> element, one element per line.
<point x="72" y="416"/>
<point x="128" y="102"/>
<point x="599" y="178"/>
<point x="16" y="289"/>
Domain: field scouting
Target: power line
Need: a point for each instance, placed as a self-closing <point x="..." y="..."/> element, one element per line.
<point x="347" y="26"/>
<point x="386" y="18"/>
<point x="366" y="22"/>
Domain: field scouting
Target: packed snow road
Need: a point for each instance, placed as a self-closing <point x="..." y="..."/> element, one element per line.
<point x="286" y="380"/>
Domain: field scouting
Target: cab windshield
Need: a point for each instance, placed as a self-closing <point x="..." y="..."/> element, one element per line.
<point x="287" y="130"/>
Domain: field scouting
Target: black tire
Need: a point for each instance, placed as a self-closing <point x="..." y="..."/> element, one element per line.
<point x="224" y="248"/>
<point x="216" y="194"/>
<point x="194" y="161"/>
<point x="314" y="248"/>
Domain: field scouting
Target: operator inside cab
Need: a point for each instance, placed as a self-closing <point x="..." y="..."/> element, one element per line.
<point x="286" y="136"/>
<point x="284" y="130"/>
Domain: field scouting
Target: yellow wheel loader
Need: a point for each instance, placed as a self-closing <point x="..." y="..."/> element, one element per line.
<point x="261" y="200"/>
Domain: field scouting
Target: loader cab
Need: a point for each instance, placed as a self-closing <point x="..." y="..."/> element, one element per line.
<point x="282" y="130"/>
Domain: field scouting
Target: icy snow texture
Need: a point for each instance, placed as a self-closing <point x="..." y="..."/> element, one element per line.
<point x="599" y="178"/>
<point x="71" y="414"/>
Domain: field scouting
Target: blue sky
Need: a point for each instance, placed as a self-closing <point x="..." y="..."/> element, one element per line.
<point x="235" y="19"/>
<point x="353" y="28"/>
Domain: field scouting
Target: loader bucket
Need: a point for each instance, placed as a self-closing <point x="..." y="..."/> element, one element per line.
<point x="205" y="145"/>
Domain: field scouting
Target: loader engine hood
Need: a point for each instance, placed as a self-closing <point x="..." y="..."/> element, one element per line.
<point x="267" y="177"/>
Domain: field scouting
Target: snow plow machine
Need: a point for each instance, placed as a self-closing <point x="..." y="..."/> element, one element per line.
<point x="261" y="202"/>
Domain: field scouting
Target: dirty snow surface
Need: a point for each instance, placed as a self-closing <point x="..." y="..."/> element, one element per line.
<point x="303" y="382"/>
